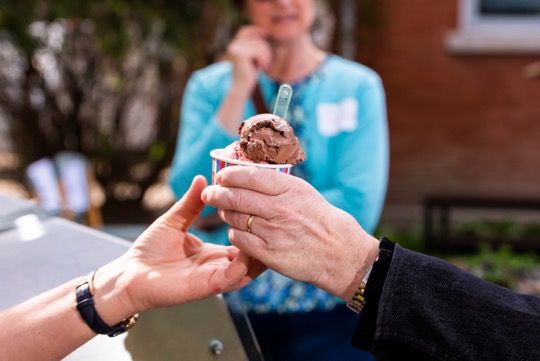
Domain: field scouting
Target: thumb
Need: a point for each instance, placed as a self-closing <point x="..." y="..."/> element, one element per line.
<point x="187" y="209"/>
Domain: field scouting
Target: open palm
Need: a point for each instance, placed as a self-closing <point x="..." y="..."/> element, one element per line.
<point x="174" y="266"/>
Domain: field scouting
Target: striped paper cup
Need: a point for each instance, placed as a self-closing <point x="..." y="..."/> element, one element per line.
<point x="219" y="162"/>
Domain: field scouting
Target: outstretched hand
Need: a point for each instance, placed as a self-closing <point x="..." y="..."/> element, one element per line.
<point x="165" y="266"/>
<point x="171" y="266"/>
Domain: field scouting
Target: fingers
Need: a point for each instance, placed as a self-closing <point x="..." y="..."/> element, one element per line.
<point x="186" y="210"/>
<point x="252" y="31"/>
<point x="263" y="192"/>
<point x="242" y="270"/>
<point x="237" y="269"/>
<point x="243" y="266"/>
<point x="258" y="225"/>
<point x="243" y="201"/>
<point x="249" y="244"/>
<point x="250" y="44"/>
<point x="249" y="48"/>
<point x="261" y="55"/>
<point x="267" y="181"/>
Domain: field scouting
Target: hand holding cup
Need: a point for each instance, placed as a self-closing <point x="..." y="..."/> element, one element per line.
<point x="294" y="230"/>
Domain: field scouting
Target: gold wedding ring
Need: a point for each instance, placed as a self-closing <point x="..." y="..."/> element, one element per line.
<point x="249" y="223"/>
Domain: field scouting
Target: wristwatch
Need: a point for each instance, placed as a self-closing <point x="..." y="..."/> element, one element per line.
<point x="358" y="301"/>
<point x="85" y="306"/>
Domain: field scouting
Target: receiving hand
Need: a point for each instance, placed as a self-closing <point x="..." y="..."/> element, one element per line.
<point x="168" y="266"/>
<point x="295" y="231"/>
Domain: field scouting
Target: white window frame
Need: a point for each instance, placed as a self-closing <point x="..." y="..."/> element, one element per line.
<point x="481" y="34"/>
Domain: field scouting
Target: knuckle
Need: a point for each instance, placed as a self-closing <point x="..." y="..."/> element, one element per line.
<point x="236" y="199"/>
<point x="236" y="219"/>
<point x="257" y="175"/>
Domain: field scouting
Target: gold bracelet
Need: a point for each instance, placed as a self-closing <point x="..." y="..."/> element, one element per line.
<point x="84" y="293"/>
<point x="358" y="301"/>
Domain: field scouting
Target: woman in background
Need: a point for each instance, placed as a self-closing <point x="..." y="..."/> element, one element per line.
<point x="338" y="113"/>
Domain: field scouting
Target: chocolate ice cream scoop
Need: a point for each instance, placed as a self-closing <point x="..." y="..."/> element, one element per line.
<point x="269" y="138"/>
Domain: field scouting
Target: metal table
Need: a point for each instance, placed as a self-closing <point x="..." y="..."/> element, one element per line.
<point x="39" y="252"/>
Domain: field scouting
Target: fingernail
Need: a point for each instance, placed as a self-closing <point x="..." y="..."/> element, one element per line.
<point x="204" y="194"/>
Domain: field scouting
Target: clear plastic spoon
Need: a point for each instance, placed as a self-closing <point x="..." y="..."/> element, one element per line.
<point x="283" y="100"/>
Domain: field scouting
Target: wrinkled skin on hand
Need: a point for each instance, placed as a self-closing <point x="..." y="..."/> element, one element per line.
<point x="295" y="231"/>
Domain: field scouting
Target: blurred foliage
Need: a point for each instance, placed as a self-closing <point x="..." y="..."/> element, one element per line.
<point x="410" y="238"/>
<point x="501" y="265"/>
<point x="181" y="20"/>
<point x="104" y="78"/>
<point x="507" y="228"/>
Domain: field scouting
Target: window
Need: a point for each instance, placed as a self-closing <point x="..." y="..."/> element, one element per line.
<point x="510" y="7"/>
<point x="496" y="26"/>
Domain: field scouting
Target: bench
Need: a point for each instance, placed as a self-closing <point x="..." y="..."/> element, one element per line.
<point x="437" y="232"/>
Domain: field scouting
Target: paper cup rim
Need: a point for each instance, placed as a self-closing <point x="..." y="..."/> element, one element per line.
<point x="216" y="155"/>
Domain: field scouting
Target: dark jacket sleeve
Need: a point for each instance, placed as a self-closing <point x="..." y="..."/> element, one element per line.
<point x="422" y="308"/>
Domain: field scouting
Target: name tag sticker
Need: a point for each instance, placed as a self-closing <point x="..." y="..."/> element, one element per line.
<point x="334" y="118"/>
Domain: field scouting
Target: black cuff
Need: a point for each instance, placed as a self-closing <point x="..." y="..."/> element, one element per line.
<point x="364" y="335"/>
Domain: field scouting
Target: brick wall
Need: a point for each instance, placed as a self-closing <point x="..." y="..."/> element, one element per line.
<point x="458" y="124"/>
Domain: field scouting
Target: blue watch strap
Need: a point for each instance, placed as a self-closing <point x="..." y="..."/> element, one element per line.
<point x="85" y="306"/>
